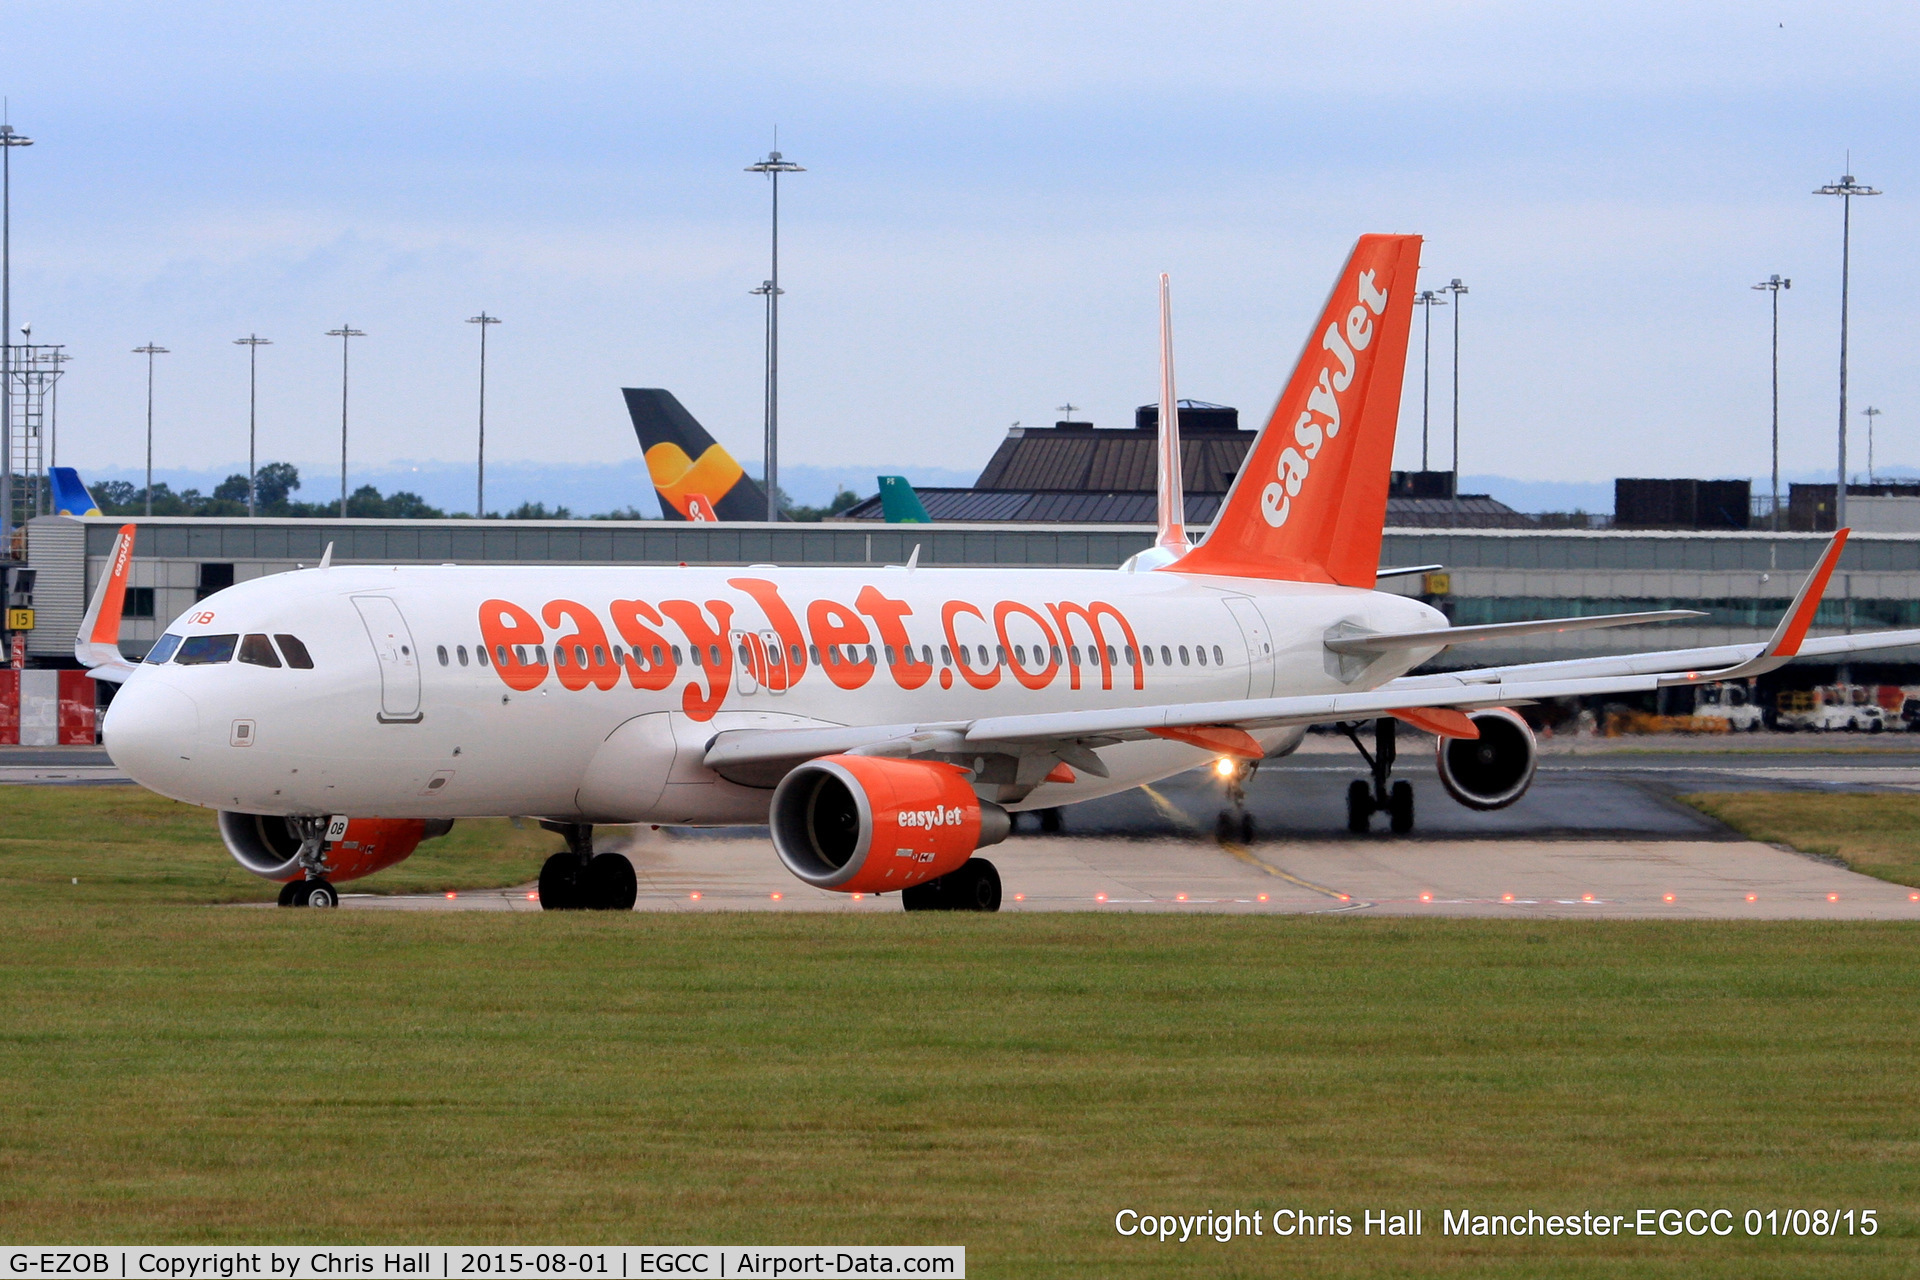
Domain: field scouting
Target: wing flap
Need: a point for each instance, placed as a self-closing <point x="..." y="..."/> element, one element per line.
<point x="1366" y="643"/>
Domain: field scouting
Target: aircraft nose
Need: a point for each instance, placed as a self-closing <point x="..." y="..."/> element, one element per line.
<point x="150" y="731"/>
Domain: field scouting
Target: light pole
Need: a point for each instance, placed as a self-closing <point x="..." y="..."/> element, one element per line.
<point x="767" y="290"/>
<point x="252" y="342"/>
<point x="480" y="489"/>
<point x="1773" y="285"/>
<point x="8" y="141"/>
<point x="1846" y="189"/>
<point x="773" y="166"/>
<point x="150" y="351"/>
<point x="345" y="333"/>
<point x="1870" y="413"/>
<point x="1429" y="299"/>
<point x="1457" y="289"/>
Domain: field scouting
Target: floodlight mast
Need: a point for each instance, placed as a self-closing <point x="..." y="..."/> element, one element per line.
<point x="8" y="141"/>
<point x="1773" y="285"/>
<point x="1429" y="299"/>
<point x="480" y="488"/>
<point x="1870" y="413"/>
<point x="150" y="351"/>
<point x="252" y="342"/>
<point x="345" y="332"/>
<point x="1846" y="189"/>
<point x="1458" y="290"/>
<point x="773" y="166"/>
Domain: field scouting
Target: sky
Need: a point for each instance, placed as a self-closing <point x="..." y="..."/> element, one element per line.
<point x="991" y="192"/>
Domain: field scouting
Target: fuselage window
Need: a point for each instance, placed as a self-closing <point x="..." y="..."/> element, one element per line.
<point x="1183" y="656"/>
<point x="870" y="655"/>
<point x="946" y="656"/>
<point x="1128" y="651"/>
<point x="460" y="651"/>
<point x="676" y="655"/>
<point x="889" y="655"/>
<point x="295" y="652"/>
<point x="813" y="651"/>
<point x="833" y="655"/>
<point x="520" y="655"/>
<point x="776" y="656"/>
<point x="258" y="650"/>
<point x="983" y="655"/>
<point x="797" y="656"/>
<point x="439" y="649"/>
<point x="600" y="656"/>
<point x="164" y="649"/>
<point x="697" y="655"/>
<point x="1218" y="661"/>
<point x="1020" y="654"/>
<point x="201" y="651"/>
<point x="1073" y="654"/>
<point x="1166" y="656"/>
<point x="1000" y="655"/>
<point x="660" y="657"/>
<point x="1113" y="659"/>
<point x="580" y="655"/>
<point x="1200" y="652"/>
<point x="746" y="659"/>
<point x="1146" y="651"/>
<point x="713" y="655"/>
<point x="926" y="655"/>
<point x="559" y="655"/>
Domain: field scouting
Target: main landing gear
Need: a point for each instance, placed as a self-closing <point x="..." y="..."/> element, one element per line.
<point x="309" y="893"/>
<point x="1235" y="824"/>
<point x="973" y="886"/>
<point x="1366" y="798"/>
<point x="578" y="879"/>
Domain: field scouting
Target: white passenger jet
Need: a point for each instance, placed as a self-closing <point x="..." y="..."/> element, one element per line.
<point x="884" y="722"/>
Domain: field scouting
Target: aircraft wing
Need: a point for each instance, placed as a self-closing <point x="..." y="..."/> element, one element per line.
<point x="97" y="645"/>
<point x="1071" y="735"/>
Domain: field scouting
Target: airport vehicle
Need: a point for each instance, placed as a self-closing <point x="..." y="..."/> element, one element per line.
<point x="1832" y="708"/>
<point x="885" y="723"/>
<point x="1732" y="703"/>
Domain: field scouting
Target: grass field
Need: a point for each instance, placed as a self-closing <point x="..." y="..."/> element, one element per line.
<point x="1877" y="835"/>
<point x="180" y="1073"/>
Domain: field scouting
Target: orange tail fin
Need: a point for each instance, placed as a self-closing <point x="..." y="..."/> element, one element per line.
<point x="1310" y="503"/>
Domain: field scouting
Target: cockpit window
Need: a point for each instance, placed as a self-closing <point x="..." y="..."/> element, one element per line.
<point x="205" y="650"/>
<point x="258" y="650"/>
<point x="163" y="649"/>
<point x="296" y="652"/>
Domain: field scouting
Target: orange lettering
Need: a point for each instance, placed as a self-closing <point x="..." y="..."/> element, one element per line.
<point x="835" y="624"/>
<point x="978" y="679"/>
<point x="1032" y="679"/>
<point x="651" y="665"/>
<point x="1091" y="615"/>
<point x="785" y="674"/>
<point x="587" y="661"/>
<point x="717" y="661"/>
<point x="505" y="625"/>
<point x="909" y="672"/>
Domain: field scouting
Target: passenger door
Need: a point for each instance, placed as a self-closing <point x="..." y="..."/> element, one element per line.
<point x="399" y="662"/>
<point x="1253" y="629"/>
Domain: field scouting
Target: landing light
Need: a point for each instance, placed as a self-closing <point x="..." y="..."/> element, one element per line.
<point x="1223" y="767"/>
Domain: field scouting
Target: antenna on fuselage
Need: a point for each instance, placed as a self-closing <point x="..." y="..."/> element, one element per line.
<point x="326" y="557"/>
<point x="1173" y="494"/>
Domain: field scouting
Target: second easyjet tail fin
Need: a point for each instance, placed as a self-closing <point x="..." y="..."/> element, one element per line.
<point x="1310" y="502"/>
<point x="97" y="646"/>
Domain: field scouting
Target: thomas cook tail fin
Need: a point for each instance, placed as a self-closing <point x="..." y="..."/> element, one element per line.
<point x="1310" y="503"/>
<point x="695" y="477"/>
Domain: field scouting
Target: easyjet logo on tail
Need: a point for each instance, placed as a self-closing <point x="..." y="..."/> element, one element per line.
<point x="1320" y="420"/>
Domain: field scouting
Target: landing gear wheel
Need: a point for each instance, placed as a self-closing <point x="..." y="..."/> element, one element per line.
<point x="287" y="891"/>
<point x="975" y="886"/>
<point x="610" y="884"/>
<point x="929" y="895"/>
<point x="1050" y="821"/>
<point x="313" y="893"/>
<point x="1246" y="828"/>
<point x="1359" y="807"/>
<point x="1223" y="827"/>
<point x="1875" y="727"/>
<point x="1400" y="807"/>
<point x="560" y="883"/>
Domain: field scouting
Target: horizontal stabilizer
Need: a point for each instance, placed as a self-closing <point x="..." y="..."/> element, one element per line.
<point x="1370" y="642"/>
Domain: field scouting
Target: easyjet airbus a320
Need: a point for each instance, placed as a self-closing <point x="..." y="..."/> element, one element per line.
<point x="885" y="723"/>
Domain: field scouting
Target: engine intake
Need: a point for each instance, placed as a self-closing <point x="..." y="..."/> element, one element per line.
<point x="1493" y="770"/>
<point x="269" y="846"/>
<point x="868" y="824"/>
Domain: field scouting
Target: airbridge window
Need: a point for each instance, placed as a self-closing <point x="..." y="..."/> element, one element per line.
<point x="258" y="650"/>
<point x="200" y="651"/>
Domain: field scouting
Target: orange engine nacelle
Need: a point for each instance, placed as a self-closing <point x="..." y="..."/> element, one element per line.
<point x="267" y="846"/>
<point x="867" y="824"/>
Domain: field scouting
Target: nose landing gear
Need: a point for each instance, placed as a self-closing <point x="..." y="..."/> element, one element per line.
<point x="1235" y="823"/>
<point x="1367" y="797"/>
<point x="578" y="879"/>
<point x="314" y="890"/>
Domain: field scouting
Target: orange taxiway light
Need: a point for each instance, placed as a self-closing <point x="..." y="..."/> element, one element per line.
<point x="1753" y="897"/>
<point x="451" y="895"/>
<point x="1263" y="897"/>
<point x="774" y="896"/>
<point x="1019" y="897"/>
<point x="1343" y="897"/>
<point x="1426" y="897"/>
<point x="1913" y="897"/>
<point x="1179" y="897"/>
<point x="1099" y="897"/>
<point x="1586" y="897"/>
<point x="694" y="896"/>
<point x="1506" y="897"/>
<point x="533" y="897"/>
<point x="1668" y="898"/>
<point x="1833" y="897"/>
